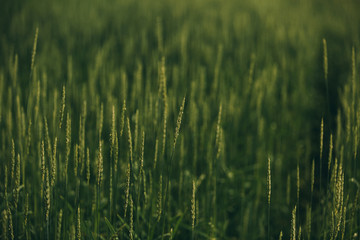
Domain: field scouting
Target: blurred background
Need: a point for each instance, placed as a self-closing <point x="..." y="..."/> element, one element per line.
<point x="263" y="60"/>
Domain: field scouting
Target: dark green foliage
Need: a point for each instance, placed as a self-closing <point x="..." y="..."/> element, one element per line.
<point x="252" y="76"/>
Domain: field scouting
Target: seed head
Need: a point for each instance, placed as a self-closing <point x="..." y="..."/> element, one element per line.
<point x="178" y="123"/>
<point x="193" y="209"/>
<point x="321" y="136"/>
<point x="293" y="224"/>
<point x="269" y="181"/>
<point x="129" y="140"/>
<point x="122" y="122"/>
<point x="325" y="59"/>
<point x="62" y="108"/>
<point x="78" y="224"/>
<point x="58" y="232"/>
<point x="34" y="49"/>
<point x="100" y="167"/>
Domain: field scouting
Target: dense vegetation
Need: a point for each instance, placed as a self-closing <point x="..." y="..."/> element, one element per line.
<point x="179" y="119"/>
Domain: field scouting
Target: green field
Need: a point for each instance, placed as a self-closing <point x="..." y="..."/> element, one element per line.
<point x="193" y="119"/>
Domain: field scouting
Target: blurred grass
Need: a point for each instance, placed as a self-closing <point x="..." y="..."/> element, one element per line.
<point x="263" y="61"/>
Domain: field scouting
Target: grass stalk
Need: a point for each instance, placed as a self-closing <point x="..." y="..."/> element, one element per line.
<point x="34" y="51"/>
<point x="269" y="193"/>
<point x="193" y="210"/>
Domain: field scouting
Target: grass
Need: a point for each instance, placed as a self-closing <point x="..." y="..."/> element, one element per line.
<point x="179" y="119"/>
